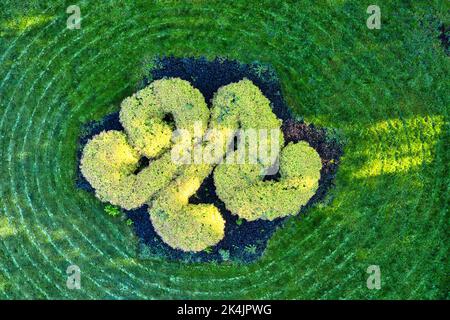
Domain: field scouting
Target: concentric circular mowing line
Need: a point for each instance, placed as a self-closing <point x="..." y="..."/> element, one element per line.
<point x="40" y="99"/>
<point x="107" y="221"/>
<point x="39" y="135"/>
<point x="44" y="121"/>
<point x="22" y="52"/>
<point x="54" y="282"/>
<point x="9" y="170"/>
<point x="140" y="270"/>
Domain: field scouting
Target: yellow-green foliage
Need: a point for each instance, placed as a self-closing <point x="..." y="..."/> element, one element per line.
<point x="242" y="105"/>
<point x="197" y="228"/>
<point x="110" y="159"/>
<point x="182" y="225"/>
<point x="244" y="193"/>
<point x="108" y="163"/>
<point x="142" y="114"/>
<point x="240" y="186"/>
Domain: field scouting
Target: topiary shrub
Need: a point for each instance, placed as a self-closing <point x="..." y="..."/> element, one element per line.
<point x="241" y="105"/>
<point x="242" y="189"/>
<point x="189" y="227"/>
<point x="110" y="161"/>
<point x="195" y="228"/>
<point x="240" y="185"/>
<point x="142" y="115"/>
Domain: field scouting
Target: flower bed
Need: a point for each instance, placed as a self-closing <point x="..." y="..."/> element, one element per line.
<point x="245" y="239"/>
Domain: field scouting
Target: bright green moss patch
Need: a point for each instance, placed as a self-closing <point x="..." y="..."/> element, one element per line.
<point x="112" y="211"/>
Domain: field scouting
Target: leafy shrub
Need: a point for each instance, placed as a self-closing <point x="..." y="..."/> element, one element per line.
<point x="194" y="229"/>
<point x="208" y="250"/>
<point x="110" y="160"/>
<point x="242" y="105"/>
<point x="242" y="189"/>
<point x="113" y="211"/>
<point x="182" y="225"/>
<point x="108" y="163"/>
<point x="241" y="186"/>
<point x="142" y="115"/>
<point x="224" y="254"/>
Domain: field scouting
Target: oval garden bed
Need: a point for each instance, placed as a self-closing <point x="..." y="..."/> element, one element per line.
<point x="226" y="230"/>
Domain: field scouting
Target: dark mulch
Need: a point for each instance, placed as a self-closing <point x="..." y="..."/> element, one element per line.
<point x="208" y="76"/>
<point x="444" y="37"/>
<point x="244" y="241"/>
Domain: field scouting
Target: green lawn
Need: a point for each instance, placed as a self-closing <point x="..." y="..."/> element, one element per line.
<point x="386" y="91"/>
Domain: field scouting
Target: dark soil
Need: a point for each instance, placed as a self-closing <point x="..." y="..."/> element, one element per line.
<point x="244" y="241"/>
<point x="444" y="37"/>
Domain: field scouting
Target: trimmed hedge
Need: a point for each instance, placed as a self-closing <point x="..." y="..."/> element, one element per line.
<point x="110" y="161"/>
<point x="241" y="186"/>
<point x="142" y="115"/>
<point x="189" y="227"/>
<point x="242" y="105"/>
<point x="194" y="229"/>
<point x="242" y="189"/>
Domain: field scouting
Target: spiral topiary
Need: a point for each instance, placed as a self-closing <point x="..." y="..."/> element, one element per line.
<point x="142" y="115"/>
<point x="110" y="159"/>
<point x="108" y="163"/>
<point x="242" y="189"/>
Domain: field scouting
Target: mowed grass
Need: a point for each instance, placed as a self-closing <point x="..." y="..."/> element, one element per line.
<point x="385" y="91"/>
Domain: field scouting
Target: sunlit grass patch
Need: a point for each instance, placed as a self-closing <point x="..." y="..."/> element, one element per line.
<point x="6" y="230"/>
<point x="15" y="26"/>
<point x="399" y="146"/>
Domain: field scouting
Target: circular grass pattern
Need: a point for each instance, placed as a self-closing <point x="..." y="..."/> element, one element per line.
<point x="384" y="90"/>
